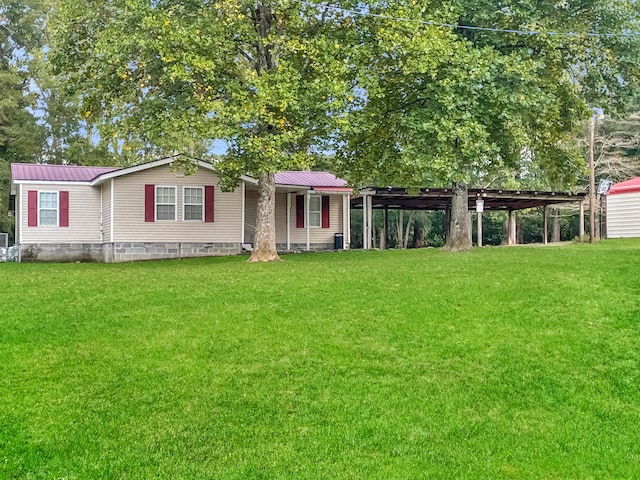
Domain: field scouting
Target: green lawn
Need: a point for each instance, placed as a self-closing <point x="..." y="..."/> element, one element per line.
<point x="499" y="363"/>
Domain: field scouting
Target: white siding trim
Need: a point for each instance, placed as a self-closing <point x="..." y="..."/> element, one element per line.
<point x="48" y="182"/>
<point x="244" y="201"/>
<point x="19" y="213"/>
<point x="306" y="219"/>
<point x="156" y="163"/>
<point x="289" y="221"/>
<point x="101" y="214"/>
<point x="113" y="208"/>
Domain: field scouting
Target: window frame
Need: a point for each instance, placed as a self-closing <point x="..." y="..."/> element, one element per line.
<point x="319" y="211"/>
<point x="57" y="209"/>
<point x="184" y="203"/>
<point x="156" y="203"/>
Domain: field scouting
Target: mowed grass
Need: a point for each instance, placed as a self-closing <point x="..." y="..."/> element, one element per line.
<point x="499" y="363"/>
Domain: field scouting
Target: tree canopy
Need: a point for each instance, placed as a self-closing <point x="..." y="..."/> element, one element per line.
<point x="442" y="103"/>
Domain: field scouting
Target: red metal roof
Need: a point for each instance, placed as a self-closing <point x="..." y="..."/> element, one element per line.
<point x="312" y="179"/>
<point x="56" y="173"/>
<point x="74" y="173"/>
<point x="628" y="186"/>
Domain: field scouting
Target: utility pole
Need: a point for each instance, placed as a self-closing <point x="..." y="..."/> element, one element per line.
<point x="592" y="180"/>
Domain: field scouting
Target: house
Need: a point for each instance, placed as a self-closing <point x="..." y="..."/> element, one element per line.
<point x="623" y="209"/>
<point x="152" y="211"/>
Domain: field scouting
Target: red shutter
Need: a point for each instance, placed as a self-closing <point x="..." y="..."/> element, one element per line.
<point x="32" y="207"/>
<point x="149" y="203"/>
<point x="325" y="211"/>
<point x="299" y="211"/>
<point x="208" y="203"/>
<point x="64" y="209"/>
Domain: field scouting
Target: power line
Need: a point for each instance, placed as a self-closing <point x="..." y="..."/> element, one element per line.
<point x="462" y="27"/>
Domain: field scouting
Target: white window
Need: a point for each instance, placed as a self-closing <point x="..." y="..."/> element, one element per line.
<point x="48" y="208"/>
<point x="166" y="203"/>
<point x="315" y="211"/>
<point x="193" y="202"/>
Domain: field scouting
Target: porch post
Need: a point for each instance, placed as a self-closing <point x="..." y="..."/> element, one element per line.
<point x="544" y="224"/>
<point x="370" y="222"/>
<point x="306" y="219"/>
<point x="479" y="229"/>
<point x="581" y="218"/>
<point x="511" y="235"/>
<point x="288" y="221"/>
<point x="244" y="207"/>
<point x="386" y="228"/>
<point x="346" y="218"/>
<point x="365" y="214"/>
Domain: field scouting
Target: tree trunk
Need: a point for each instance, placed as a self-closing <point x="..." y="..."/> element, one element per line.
<point x="265" y="242"/>
<point x="399" y="243"/>
<point x="418" y="233"/>
<point x="406" y="233"/>
<point x="458" y="240"/>
<point x="555" y="232"/>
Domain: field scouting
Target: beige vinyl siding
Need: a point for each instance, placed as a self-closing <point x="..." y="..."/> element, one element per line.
<point x="105" y="190"/>
<point x="281" y="216"/>
<point x="251" y="211"/>
<point x="129" y="224"/>
<point x="84" y="216"/>
<point x="317" y="234"/>
<point x="623" y="215"/>
<point x="19" y="215"/>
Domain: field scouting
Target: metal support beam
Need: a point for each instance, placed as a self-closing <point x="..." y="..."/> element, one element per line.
<point x="544" y="225"/>
<point x="581" y="219"/>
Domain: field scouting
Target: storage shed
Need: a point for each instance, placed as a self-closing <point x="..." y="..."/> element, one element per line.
<point x="623" y="209"/>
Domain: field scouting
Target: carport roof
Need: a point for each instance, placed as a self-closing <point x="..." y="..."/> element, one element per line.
<point x="440" y="198"/>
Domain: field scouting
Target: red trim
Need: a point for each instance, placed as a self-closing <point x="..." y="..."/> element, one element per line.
<point x="325" y="211"/>
<point x="64" y="208"/>
<point x="620" y="191"/>
<point x="208" y="203"/>
<point x="149" y="203"/>
<point x="628" y="186"/>
<point x="32" y="207"/>
<point x="299" y="211"/>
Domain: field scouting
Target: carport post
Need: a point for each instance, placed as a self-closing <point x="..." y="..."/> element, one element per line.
<point x="544" y="224"/>
<point x="581" y="218"/>
<point x="511" y="234"/>
<point x="306" y="219"/>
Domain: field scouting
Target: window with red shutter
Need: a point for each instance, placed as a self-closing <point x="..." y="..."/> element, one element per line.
<point x="208" y="203"/>
<point x="64" y="209"/>
<point x="149" y="203"/>
<point x="325" y="211"/>
<point x="299" y="211"/>
<point x="32" y="207"/>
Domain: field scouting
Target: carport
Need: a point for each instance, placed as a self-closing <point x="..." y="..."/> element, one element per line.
<point x="480" y="200"/>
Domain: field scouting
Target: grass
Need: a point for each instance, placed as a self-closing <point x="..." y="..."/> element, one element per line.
<point x="499" y="363"/>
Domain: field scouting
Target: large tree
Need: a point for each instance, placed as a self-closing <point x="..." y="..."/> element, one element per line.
<point x="442" y="104"/>
<point x="265" y="76"/>
<point x="21" y="138"/>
